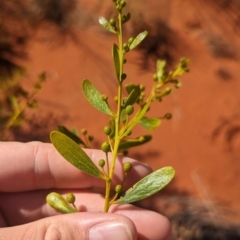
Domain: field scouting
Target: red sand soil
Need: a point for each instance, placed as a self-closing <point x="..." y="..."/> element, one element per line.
<point x="202" y="141"/>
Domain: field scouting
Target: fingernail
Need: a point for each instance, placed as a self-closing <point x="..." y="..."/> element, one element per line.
<point x="105" y="231"/>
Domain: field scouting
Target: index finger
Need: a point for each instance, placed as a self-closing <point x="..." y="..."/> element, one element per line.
<point x="37" y="165"/>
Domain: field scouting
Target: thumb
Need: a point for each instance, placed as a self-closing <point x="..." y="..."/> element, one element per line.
<point x="81" y="226"/>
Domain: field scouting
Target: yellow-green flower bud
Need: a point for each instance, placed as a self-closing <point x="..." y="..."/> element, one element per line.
<point x="70" y="198"/>
<point x="90" y="138"/>
<point x="123" y="4"/>
<point x="112" y="22"/>
<point x="118" y="188"/>
<point x="107" y="130"/>
<point x="129" y="109"/>
<point x="101" y="163"/>
<point x="130" y="40"/>
<point x="84" y="131"/>
<point x="105" y="147"/>
<point x="127" y="166"/>
<point x="142" y="87"/>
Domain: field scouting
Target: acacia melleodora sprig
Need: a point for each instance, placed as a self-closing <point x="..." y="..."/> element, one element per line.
<point x="130" y="111"/>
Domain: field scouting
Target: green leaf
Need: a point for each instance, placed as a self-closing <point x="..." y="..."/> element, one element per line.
<point x="116" y="59"/>
<point x="148" y="185"/>
<point x="128" y="143"/>
<point x="95" y="97"/>
<point x="74" y="154"/>
<point x="133" y="96"/>
<point x="56" y="201"/>
<point x="70" y="134"/>
<point x="104" y="22"/>
<point x="138" y="39"/>
<point x="150" y="123"/>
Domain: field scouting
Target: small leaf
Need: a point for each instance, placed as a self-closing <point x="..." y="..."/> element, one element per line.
<point x="116" y="59"/>
<point x="128" y="143"/>
<point x="133" y="96"/>
<point x="74" y="154"/>
<point x="95" y="97"/>
<point x="58" y="202"/>
<point x="104" y="22"/>
<point x="70" y="134"/>
<point x="138" y="39"/>
<point x="150" y="123"/>
<point x="148" y="185"/>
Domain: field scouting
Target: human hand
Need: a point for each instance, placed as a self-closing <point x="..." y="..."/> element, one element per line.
<point x="29" y="171"/>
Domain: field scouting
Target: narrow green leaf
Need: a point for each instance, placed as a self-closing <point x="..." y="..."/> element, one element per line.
<point x="95" y="97"/>
<point x="138" y="39"/>
<point x="74" y="154"/>
<point x="128" y="143"/>
<point x="133" y="96"/>
<point x="116" y="59"/>
<point x="70" y="134"/>
<point x="148" y="185"/>
<point x="104" y="22"/>
<point x="150" y="123"/>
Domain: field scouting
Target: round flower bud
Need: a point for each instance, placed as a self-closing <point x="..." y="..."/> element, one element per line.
<point x="84" y="131"/>
<point x="90" y="138"/>
<point x="70" y="198"/>
<point x="125" y="46"/>
<point x="123" y="4"/>
<point x="167" y="90"/>
<point x="124" y="76"/>
<point x="101" y="163"/>
<point x="112" y="22"/>
<point x="168" y="116"/>
<point x="141" y="139"/>
<point x="107" y="130"/>
<point x="142" y="87"/>
<point x="127" y="166"/>
<point x="118" y="188"/>
<point x="105" y="147"/>
<point x="130" y="40"/>
<point x="129" y="109"/>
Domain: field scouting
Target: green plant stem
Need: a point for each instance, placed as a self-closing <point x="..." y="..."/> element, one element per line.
<point x="117" y="119"/>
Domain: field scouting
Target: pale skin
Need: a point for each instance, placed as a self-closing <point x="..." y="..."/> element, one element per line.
<point x="29" y="171"/>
